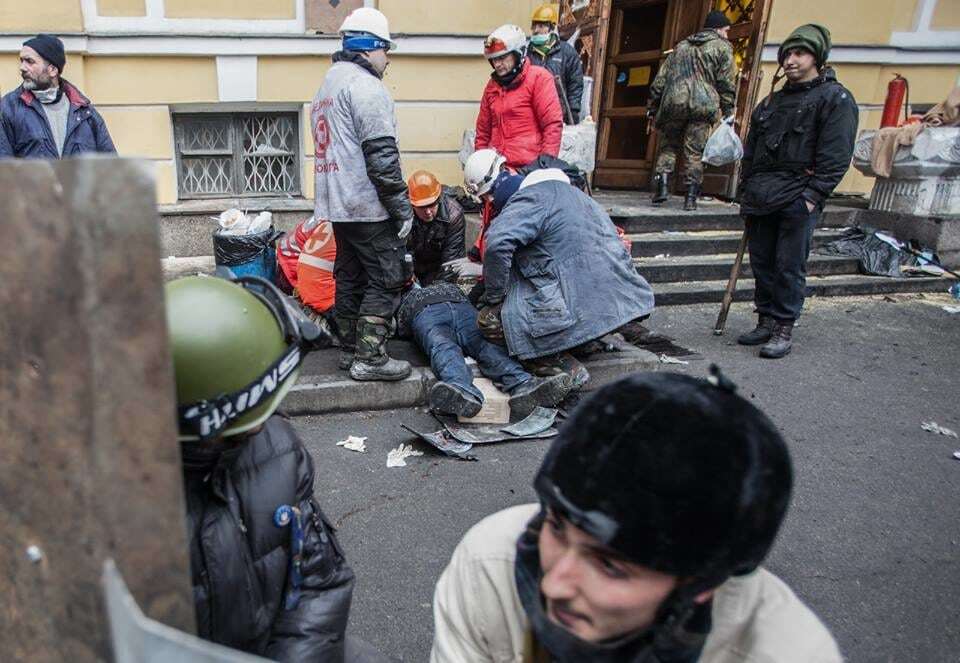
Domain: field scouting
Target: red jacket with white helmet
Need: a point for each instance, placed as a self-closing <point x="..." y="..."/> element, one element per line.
<point x="521" y="121"/>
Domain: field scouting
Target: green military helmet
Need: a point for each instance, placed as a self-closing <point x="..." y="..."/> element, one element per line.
<point x="231" y="356"/>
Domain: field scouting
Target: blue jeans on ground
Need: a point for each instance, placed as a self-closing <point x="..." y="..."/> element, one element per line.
<point x="447" y="331"/>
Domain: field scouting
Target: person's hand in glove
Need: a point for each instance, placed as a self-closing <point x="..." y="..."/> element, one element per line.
<point x="463" y="267"/>
<point x="488" y="320"/>
<point x="405" y="228"/>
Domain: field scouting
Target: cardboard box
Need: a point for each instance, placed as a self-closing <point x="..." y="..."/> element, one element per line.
<point x="496" y="405"/>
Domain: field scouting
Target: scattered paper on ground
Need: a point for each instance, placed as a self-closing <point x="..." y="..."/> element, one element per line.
<point x="664" y="359"/>
<point x="956" y="454"/>
<point x="952" y="309"/>
<point x="397" y="457"/>
<point x="934" y="427"/>
<point x="354" y="443"/>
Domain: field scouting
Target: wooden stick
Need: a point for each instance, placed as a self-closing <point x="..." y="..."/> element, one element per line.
<point x="731" y="285"/>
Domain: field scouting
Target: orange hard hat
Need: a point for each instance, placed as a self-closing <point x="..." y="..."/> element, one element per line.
<point x="424" y="188"/>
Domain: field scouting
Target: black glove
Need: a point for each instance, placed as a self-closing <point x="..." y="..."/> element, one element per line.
<point x="488" y="320"/>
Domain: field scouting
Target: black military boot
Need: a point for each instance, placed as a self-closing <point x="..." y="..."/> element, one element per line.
<point x="690" y="202"/>
<point x="347" y="328"/>
<point x="372" y="361"/>
<point x="662" y="182"/>
<point x="780" y="343"/>
<point x="760" y="334"/>
<point x="537" y="391"/>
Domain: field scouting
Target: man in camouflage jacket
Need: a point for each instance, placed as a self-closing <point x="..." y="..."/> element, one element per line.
<point x="694" y="88"/>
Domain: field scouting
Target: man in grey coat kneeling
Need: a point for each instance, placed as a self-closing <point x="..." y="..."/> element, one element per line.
<point x="556" y="273"/>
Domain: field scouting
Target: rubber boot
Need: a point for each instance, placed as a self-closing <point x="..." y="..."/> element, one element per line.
<point x="780" y="343"/>
<point x="690" y="202"/>
<point x="348" y="341"/>
<point x="450" y="399"/>
<point x="662" y="182"/>
<point x="372" y="361"/>
<point x="760" y="334"/>
<point x="545" y="392"/>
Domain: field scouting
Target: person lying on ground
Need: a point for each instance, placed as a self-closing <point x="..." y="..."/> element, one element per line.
<point x="444" y="325"/>
<point x="659" y="499"/>
<point x="268" y="575"/>
<point x="555" y="271"/>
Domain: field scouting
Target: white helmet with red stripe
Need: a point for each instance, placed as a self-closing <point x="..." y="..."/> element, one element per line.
<point x="505" y="39"/>
<point x="481" y="170"/>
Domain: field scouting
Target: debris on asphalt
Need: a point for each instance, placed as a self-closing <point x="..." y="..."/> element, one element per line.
<point x="485" y="434"/>
<point x="956" y="454"/>
<point x="397" y="457"/>
<point x="665" y="359"/>
<point x="354" y="443"/>
<point x="951" y="309"/>
<point x="443" y="441"/>
<point x="537" y="421"/>
<point x="934" y="427"/>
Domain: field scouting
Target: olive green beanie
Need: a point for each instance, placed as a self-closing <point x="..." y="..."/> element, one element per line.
<point x="811" y="37"/>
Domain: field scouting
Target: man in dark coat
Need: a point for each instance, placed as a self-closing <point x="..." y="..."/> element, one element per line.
<point x="799" y="147"/>
<point x="438" y="227"/>
<point x="555" y="271"/>
<point x="547" y="50"/>
<point x="268" y="575"/>
<point x="47" y="117"/>
<point x="693" y="89"/>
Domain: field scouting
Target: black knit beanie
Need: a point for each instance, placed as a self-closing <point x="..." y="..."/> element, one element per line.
<point x="715" y="20"/>
<point x="50" y="48"/>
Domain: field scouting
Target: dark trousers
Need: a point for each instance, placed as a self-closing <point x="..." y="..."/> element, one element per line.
<point x="447" y="331"/>
<point x="779" y="245"/>
<point x="369" y="269"/>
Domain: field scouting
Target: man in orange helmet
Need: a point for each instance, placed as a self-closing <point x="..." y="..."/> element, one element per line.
<point x="438" y="229"/>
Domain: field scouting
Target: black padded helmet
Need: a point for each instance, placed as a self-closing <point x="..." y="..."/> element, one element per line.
<point x="677" y="474"/>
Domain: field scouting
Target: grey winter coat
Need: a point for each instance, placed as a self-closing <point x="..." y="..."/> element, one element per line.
<point x="553" y="258"/>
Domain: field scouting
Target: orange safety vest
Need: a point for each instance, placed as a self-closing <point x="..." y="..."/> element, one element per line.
<point x="315" y="283"/>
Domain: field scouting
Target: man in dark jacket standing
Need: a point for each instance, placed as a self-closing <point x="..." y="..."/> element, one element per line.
<point x="799" y="147"/>
<point x="694" y="88"/>
<point x="361" y="191"/>
<point x="47" y="117"/>
<point x="438" y="227"/>
<point x="547" y="50"/>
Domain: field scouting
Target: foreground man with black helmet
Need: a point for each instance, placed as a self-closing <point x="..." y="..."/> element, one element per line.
<point x="268" y="575"/>
<point x="659" y="499"/>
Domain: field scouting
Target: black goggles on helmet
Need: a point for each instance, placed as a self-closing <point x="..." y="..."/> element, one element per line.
<point x="206" y="419"/>
<point x="595" y="523"/>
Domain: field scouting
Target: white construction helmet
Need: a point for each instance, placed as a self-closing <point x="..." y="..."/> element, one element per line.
<point x="505" y="39"/>
<point x="369" y="20"/>
<point x="481" y="170"/>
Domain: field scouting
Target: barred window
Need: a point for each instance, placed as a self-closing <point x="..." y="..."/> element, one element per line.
<point x="237" y="154"/>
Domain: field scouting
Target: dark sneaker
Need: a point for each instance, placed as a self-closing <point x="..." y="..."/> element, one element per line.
<point x="449" y="399"/>
<point x="345" y="360"/>
<point x="545" y="392"/>
<point x="760" y="334"/>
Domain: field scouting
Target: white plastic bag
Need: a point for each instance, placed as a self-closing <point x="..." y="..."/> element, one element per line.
<point x="723" y="146"/>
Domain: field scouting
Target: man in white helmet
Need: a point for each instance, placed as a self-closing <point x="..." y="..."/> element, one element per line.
<point x="360" y="189"/>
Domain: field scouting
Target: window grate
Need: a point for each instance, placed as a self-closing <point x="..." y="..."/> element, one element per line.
<point x="239" y="154"/>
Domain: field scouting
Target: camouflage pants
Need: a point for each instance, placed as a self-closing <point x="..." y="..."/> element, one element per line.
<point x="688" y="138"/>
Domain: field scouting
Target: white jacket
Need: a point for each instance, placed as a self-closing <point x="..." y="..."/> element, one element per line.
<point x="478" y="615"/>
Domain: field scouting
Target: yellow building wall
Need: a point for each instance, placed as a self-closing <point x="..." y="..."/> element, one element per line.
<point x="448" y="78"/>
<point x="478" y="17"/>
<point x="121" y="7"/>
<point x="946" y="15"/>
<point x="853" y="22"/>
<point x="140" y="131"/>
<point x="151" y="80"/>
<point x="235" y="9"/>
<point x="48" y="16"/>
<point x="290" y="78"/>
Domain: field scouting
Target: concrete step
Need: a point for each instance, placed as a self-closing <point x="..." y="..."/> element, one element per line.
<point x="321" y="388"/>
<point x="715" y="217"/>
<point x="709" y="242"/>
<point x="697" y="292"/>
<point x="716" y="267"/>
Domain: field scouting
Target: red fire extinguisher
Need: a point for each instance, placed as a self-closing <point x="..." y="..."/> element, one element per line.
<point x="898" y="91"/>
